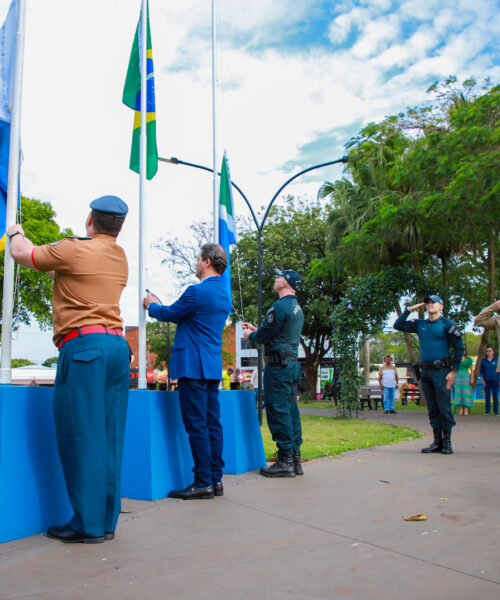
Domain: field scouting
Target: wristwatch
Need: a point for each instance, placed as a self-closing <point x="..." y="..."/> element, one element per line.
<point x="13" y="234"/>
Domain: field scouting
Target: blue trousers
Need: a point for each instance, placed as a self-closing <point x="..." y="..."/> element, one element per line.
<point x="438" y="399"/>
<point x="200" y="410"/>
<point x="388" y="398"/>
<point x="90" y="410"/>
<point x="280" y="401"/>
<point x="491" y="389"/>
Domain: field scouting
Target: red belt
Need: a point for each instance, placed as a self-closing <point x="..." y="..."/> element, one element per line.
<point x="86" y="330"/>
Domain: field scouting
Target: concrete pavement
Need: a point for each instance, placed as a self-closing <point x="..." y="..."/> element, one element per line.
<point x="335" y="533"/>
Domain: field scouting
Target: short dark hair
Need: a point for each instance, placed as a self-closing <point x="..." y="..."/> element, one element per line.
<point x="489" y="348"/>
<point x="217" y="256"/>
<point x="105" y="222"/>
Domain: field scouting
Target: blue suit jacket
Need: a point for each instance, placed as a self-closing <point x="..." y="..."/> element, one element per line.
<point x="200" y="314"/>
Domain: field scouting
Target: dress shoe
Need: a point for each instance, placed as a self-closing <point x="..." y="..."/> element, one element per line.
<point x="109" y="535"/>
<point x="68" y="536"/>
<point x="393" y="412"/>
<point x="218" y="489"/>
<point x="386" y="412"/>
<point x="193" y="493"/>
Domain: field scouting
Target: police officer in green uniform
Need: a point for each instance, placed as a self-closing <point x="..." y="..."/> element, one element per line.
<point x="437" y="368"/>
<point x="280" y="335"/>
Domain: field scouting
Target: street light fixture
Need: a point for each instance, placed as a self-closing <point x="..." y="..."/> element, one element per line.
<point x="260" y="227"/>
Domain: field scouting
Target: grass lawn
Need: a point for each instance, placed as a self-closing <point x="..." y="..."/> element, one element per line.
<point x="477" y="409"/>
<point x="328" y="436"/>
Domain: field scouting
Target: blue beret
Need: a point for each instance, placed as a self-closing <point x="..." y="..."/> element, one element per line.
<point x="110" y="204"/>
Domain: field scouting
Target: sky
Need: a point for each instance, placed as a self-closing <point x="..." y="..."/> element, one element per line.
<point x="295" y="81"/>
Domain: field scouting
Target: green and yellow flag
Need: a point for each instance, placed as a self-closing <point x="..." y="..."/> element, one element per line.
<point x="132" y="99"/>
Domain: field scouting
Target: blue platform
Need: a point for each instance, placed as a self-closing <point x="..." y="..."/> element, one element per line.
<point x="156" y="458"/>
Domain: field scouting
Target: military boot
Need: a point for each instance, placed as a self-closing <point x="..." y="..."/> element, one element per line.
<point x="436" y="445"/>
<point x="282" y="468"/>
<point x="296" y="463"/>
<point x="447" y="449"/>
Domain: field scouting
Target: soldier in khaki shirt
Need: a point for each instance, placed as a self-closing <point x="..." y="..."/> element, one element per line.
<point x="486" y="319"/>
<point x="92" y="381"/>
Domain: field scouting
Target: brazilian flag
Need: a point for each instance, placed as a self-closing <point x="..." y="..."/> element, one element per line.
<point x="132" y="99"/>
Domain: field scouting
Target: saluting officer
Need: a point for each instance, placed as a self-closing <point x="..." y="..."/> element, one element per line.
<point x="280" y="335"/>
<point x="92" y="381"/>
<point x="438" y="369"/>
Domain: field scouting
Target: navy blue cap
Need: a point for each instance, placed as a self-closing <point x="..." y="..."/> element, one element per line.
<point x="292" y="277"/>
<point x="110" y="204"/>
<point x="433" y="298"/>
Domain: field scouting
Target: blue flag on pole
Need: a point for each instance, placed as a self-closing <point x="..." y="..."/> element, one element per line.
<point x="227" y="227"/>
<point x="7" y="50"/>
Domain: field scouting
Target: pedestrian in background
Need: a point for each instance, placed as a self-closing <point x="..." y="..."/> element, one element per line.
<point x="464" y="393"/>
<point x="490" y="378"/>
<point x="388" y="381"/>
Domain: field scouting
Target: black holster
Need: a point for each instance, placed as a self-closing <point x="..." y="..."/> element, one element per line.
<point x="277" y="358"/>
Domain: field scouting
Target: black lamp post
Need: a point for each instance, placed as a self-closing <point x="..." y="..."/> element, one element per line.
<point x="260" y="228"/>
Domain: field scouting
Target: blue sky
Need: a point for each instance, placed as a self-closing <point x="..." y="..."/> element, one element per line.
<point x="296" y="80"/>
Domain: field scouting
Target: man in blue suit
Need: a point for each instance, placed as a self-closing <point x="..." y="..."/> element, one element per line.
<point x="196" y="362"/>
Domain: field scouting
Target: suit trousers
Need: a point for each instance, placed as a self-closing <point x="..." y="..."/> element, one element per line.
<point x="438" y="399"/>
<point x="280" y="401"/>
<point x="200" y="410"/>
<point x="90" y="410"/>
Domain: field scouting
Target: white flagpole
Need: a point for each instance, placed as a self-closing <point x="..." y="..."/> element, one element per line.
<point x="12" y="195"/>
<point x="143" y="47"/>
<point x="214" y="129"/>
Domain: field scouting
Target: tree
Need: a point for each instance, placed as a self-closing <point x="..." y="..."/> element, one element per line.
<point x="294" y="236"/>
<point x="160" y="340"/>
<point x="34" y="291"/>
<point x="20" y="362"/>
<point x="49" y="362"/>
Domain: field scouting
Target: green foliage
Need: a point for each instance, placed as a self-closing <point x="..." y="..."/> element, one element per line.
<point x="294" y="236"/>
<point x="20" y="362"/>
<point x="35" y="288"/>
<point x="422" y="203"/>
<point x="50" y="361"/>
<point x="326" y="436"/>
<point x="160" y="340"/>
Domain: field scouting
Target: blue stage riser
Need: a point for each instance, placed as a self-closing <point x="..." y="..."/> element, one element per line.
<point x="156" y="459"/>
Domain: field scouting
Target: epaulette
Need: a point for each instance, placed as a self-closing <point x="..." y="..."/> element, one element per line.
<point x="71" y="237"/>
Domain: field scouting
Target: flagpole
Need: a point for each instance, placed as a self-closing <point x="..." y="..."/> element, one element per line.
<point x="142" y="383"/>
<point x="214" y="121"/>
<point x="12" y="195"/>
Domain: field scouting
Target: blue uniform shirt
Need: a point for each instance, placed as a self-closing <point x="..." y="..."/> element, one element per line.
<point x="488" y="370"/>
<point x="435" y="338"/>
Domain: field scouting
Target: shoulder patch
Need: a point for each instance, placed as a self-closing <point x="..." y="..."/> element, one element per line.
<point x="271" y="316"/>
<point x="454" y="330"/>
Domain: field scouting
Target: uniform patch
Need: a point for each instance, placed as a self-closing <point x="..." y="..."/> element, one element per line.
<point x="455" y="331"/>
<point x="271" y="316"/>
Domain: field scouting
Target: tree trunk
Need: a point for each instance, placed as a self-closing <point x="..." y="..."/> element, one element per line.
<point x="366" y="359"/>
<point x="311" y="371"/>
<point x="481" y="353"/>
<point x="407" y="337"/>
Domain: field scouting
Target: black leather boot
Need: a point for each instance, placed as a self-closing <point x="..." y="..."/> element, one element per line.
<point x="447" y="449"/>
<point x="296" y="463"/>
<point x="282" y="468"/>
<point x="437" y="444"/>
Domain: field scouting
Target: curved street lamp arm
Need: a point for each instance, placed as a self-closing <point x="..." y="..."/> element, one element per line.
<point x="177" y="161"/>
<point x="344" y="159"/>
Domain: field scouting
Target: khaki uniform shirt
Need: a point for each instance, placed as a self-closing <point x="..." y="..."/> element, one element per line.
<point x="90" y="275"/>
<point x="486" y="319"/>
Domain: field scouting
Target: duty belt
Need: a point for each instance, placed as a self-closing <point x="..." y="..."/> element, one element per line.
<point x="436" y="364"/>
<point x="86" y="330"/>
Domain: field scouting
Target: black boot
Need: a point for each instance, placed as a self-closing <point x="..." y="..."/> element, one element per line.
<point x="437" y="444"/>
<point x="296" y="463"/>
<point x="447" y="449"/>
<point x="282" y="468"/>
